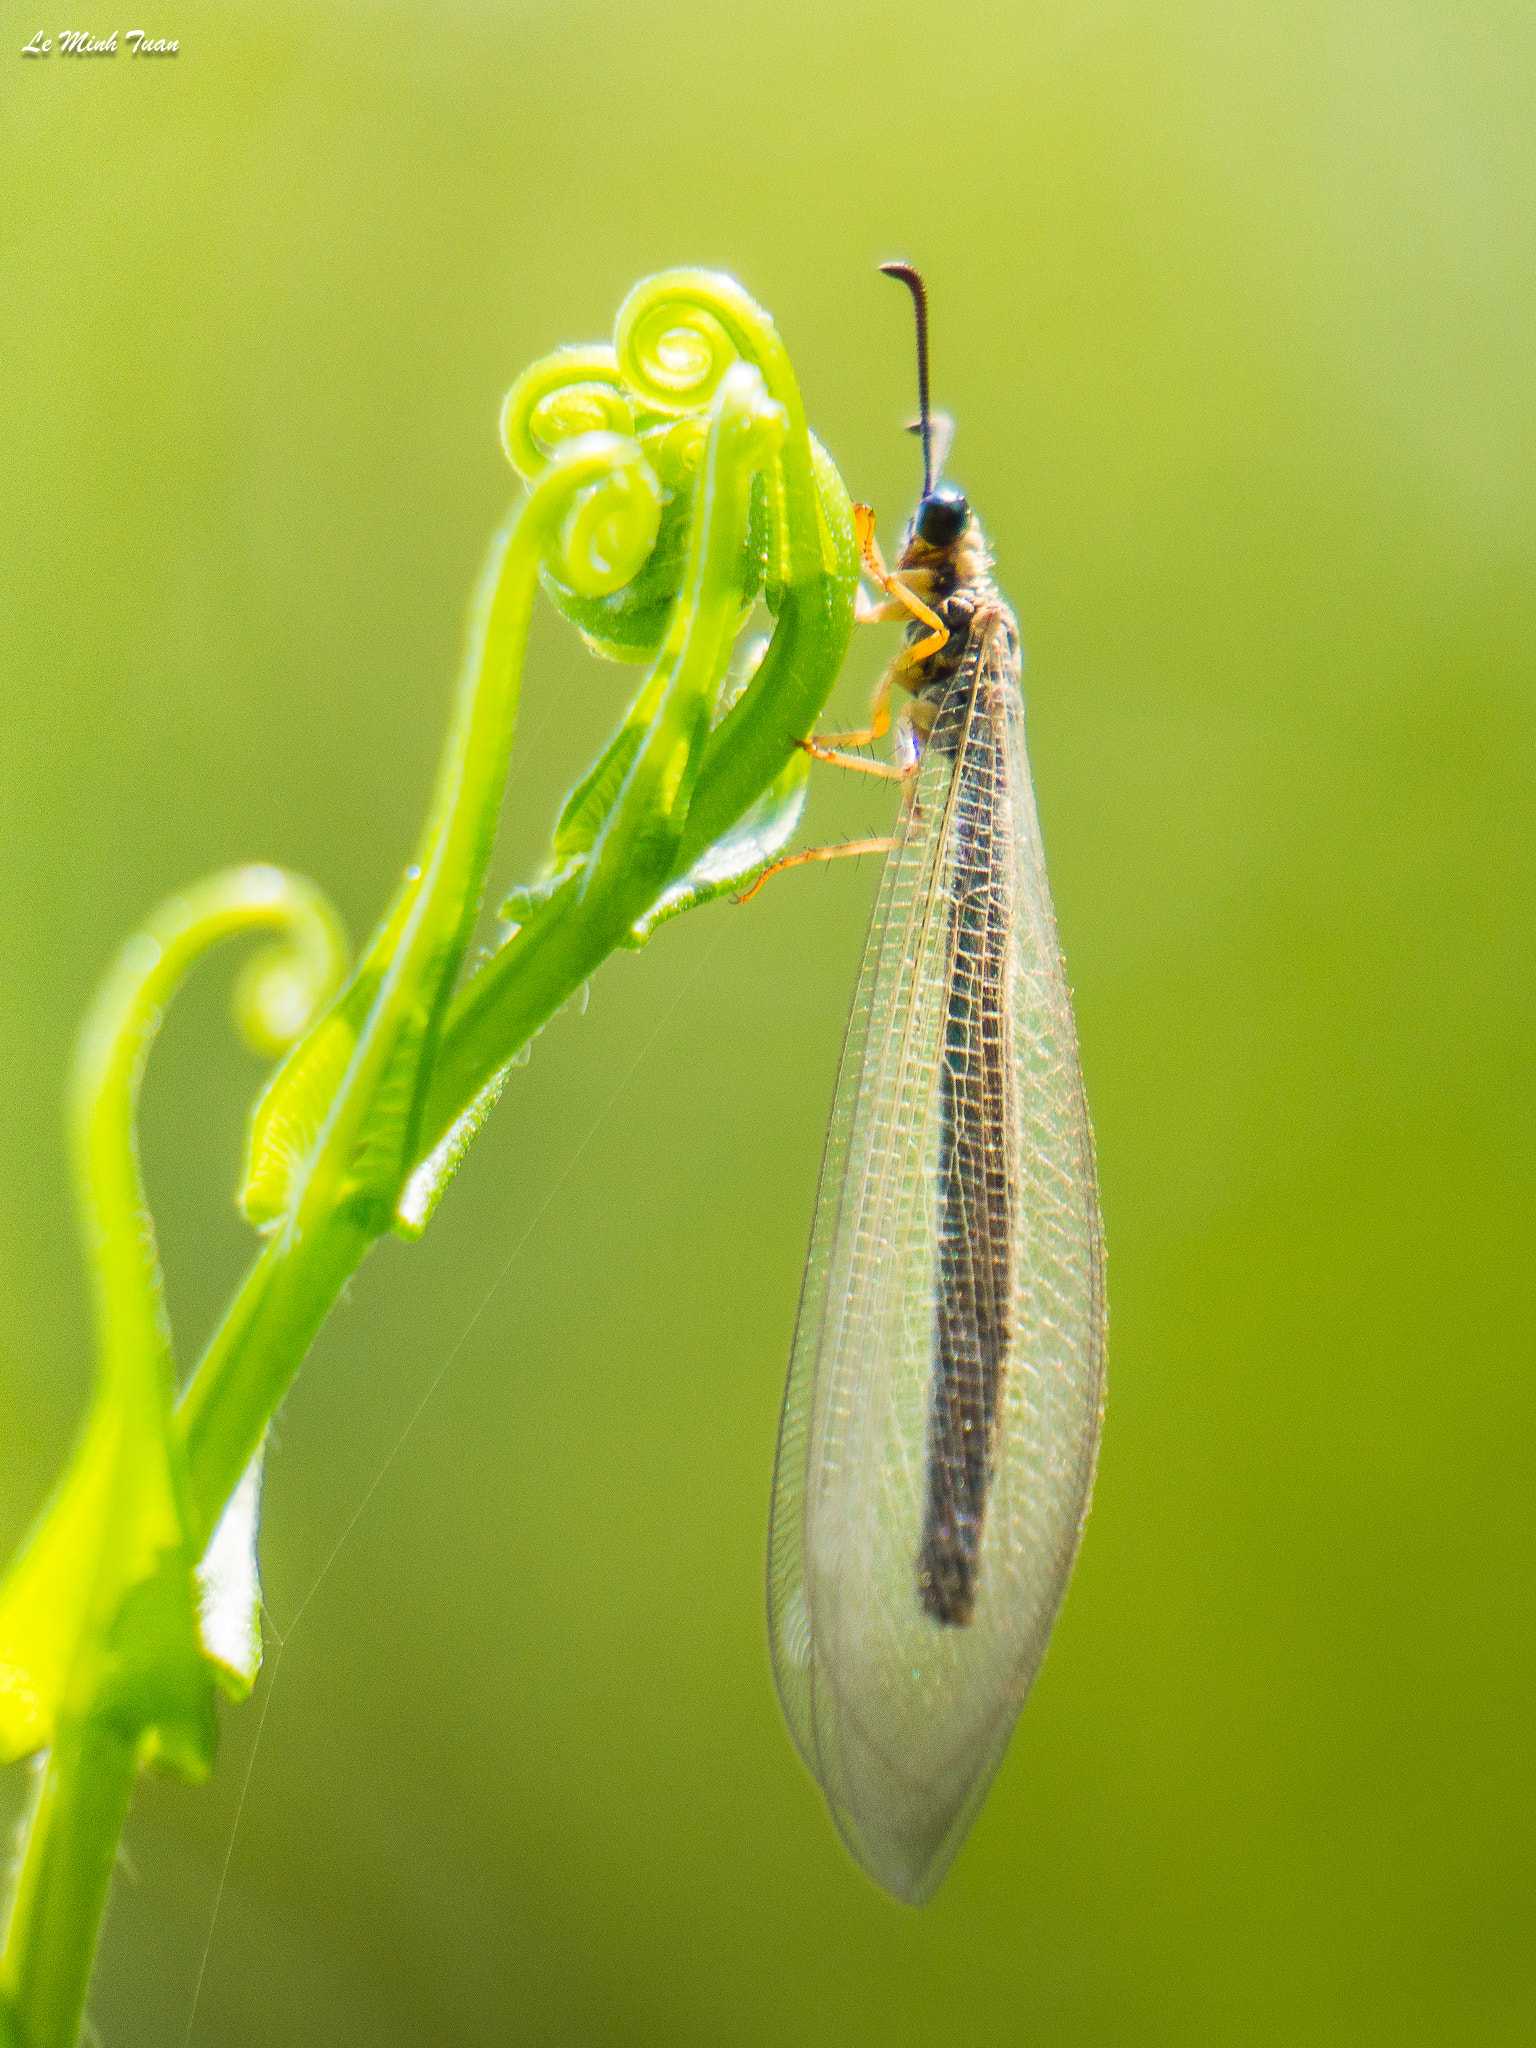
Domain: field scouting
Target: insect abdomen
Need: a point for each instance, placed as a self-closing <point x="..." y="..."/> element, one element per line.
<point x="973" y="1306"/>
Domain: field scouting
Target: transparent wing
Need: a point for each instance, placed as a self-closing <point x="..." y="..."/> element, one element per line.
<point x="902" y="1696"/>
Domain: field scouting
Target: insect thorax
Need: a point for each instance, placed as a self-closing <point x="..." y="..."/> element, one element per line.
<point x="956" y="582"/>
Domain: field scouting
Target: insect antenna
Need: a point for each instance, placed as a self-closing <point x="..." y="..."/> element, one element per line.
<point x="912" y="279"/>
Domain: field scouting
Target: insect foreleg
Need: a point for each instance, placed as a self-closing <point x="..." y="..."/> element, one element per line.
<point x="867" y="614"/>
<point x="874" y="562"/>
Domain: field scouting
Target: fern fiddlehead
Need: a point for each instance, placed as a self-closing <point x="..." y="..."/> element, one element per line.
<point x="671" y="480"/>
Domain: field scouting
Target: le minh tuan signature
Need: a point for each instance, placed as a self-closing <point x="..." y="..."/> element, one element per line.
<point x="79" y="42"/>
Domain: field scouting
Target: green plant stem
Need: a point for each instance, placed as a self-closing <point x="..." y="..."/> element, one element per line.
<point x="287" y="1294"/>
<point x="253" y="1355"/>
<point x="72" y="1837"/>
<point x="82" y="1802"/>
<point x="558" y="949"/>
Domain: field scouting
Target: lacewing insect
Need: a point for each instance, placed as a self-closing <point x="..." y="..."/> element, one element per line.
<point x="946" y="1385"/>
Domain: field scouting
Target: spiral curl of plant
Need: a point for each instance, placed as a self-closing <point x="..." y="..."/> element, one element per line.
<point x="671" y="480"/>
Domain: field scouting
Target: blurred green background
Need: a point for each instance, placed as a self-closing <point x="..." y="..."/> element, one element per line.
<point x="1236" y="308"/>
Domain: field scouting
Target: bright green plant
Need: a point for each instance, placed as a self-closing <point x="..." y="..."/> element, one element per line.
<point x="671" y="482"/>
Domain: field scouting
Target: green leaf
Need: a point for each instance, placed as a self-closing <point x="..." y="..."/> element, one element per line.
<point x="229" y="1588"/>
<point x="428" y="1184"/>
<point x="97" y="1612"/>
<point x="742" y="854"/>
<point x="288" y="1116"/>
<point x="584" y="810"/>
<point x="523" y="903"/>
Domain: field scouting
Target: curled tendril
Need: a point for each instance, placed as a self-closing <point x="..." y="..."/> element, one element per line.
<point x="273" y="1003"/>
<point x="279" y="990"/>
<point x="679" y="332"/>
<point x="276" y="995"/>
<point x="676" y="450"/>
<point x="572" y="392"/>
<point x="595" y="512"/>
<point x="676" y="340"/>
<point x="97" y="1621"/>
<point x="673" y="353"/>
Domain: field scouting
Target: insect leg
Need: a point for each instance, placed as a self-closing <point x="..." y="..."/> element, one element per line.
<point x="867" y="614"/>
<point x="913" y="723"/>
<point x="874" y="562"/>
<point x="849" y="851"/>
<point x="888" y="771"/>
<point x="912" y="726"/>
<point x="825" y="749"/>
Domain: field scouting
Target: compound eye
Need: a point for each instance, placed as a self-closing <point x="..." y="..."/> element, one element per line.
<point x="942" y="516"/>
